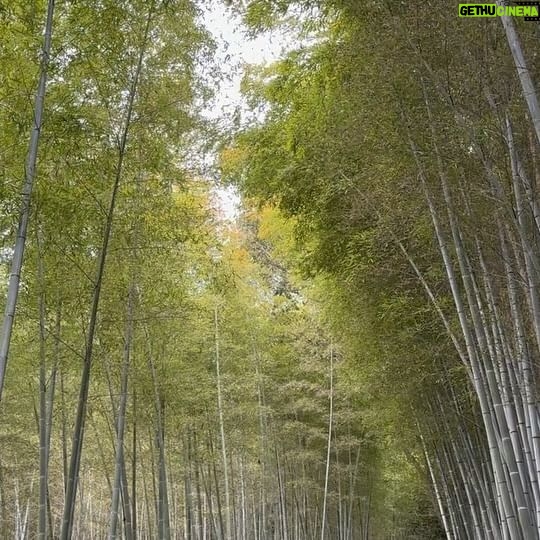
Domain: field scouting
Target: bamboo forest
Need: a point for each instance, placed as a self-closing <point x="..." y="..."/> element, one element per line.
<point x="270" y="270"/>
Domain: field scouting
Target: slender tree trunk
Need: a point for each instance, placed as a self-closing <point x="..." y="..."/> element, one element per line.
<point x="163" y="518"/>
<point x="282" y="509"/>
<point x="189" y="522"/>
<point x="352" y="487"/>
<point x="243" y="503"/>
<point x="262" y="442"/>
<point x="121" y="421"/>
<point x="30" y="173"/>
<point x="228" y="529"/>
<point x="207" y="479"/>
<point x="216" y="483"/>
<point x="134" y="521"/>
<point x="144" y="475"/>
<point x="44" y="407"/>
<point x="329" y="442"/>
<point x="50" y="407"/>
<point x="440" y="503"/>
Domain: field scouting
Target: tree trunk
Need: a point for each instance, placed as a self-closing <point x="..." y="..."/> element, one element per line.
<point x="30" y="173"/>
<point x="121" y="422"/>
<point x="228" y="530"/>
<point x="329" y="443"/>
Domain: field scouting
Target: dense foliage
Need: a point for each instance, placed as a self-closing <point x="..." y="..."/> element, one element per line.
<point x="355" y="356"/>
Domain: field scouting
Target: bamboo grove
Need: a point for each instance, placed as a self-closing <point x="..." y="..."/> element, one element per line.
<point x="353" y="356"/>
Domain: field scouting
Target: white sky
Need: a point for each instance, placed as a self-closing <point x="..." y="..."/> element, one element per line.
<point x="234" y="51"/>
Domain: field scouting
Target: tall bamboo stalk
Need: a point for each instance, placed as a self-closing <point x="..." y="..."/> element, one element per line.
<point x="225" y="465"/>
<point x="329" y="442"/>
<point x="121" y="422"/>
<point x="29" y="176"/>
